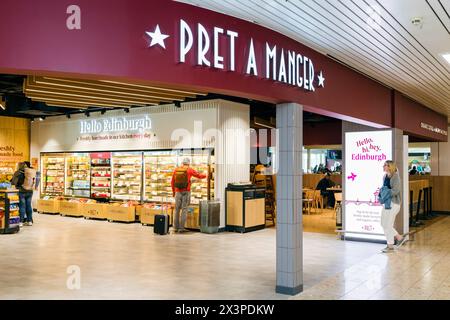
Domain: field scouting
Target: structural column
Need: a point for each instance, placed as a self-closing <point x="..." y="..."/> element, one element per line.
<point x="289" y="199"/>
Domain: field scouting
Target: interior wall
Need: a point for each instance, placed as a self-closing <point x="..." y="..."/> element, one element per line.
<point x="232" y="148"/>
<point x="14" y="140"/>
<point x="322" y="133"/>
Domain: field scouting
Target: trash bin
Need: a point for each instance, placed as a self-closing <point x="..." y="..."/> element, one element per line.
<point x="209" y="216"/>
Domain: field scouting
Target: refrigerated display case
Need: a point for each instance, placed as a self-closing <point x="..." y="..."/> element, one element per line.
<point x="159" y="166"/>
<point x="101" y="175"/>
<point x="126" y="175"/>
<point x="78" y="175"/>
<point x="203" y="162"/>
<point x="53" y="173"/>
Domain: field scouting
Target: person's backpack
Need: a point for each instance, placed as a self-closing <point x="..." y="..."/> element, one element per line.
<point x="181" y="178"/>
<point x="30" y="179"/>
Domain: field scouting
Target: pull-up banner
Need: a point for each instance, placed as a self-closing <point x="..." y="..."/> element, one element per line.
<point x="365" y="154"/>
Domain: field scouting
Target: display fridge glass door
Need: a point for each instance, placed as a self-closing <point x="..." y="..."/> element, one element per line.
<point x="159" y="166"/>
<point x="126" y="175"/>
<point x="101" y="175"/>
<point x="77" y="179"/>
<point x="53" y="174"/>
<point x="200" y="161"/>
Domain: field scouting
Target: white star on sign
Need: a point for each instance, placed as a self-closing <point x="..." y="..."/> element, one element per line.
<point x="321" y="80"/>
<point x="157" y="37"/>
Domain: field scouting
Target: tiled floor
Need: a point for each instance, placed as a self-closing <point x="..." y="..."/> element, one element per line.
<point x="418" y="270"/>
<point x="129" y="261"/>
<point x="119" y="261"/>
<point x="320" y="221"/>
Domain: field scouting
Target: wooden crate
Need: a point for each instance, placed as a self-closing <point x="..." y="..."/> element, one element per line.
<point x="147" y="216"/>
<point x="193" y="219"/>
<point x="48" y="206"/>
<point x="94" y="210"/>
<point x="121" y="214"/>
<point x="138" y="210"/>
<point x="72" y="209"/>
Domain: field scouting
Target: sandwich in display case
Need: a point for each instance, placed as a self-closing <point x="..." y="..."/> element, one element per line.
<point x="126" y="175"/>
<point x="53" y="174"/>
<point x="101" y="175"/>
<point x="78" y="175"/>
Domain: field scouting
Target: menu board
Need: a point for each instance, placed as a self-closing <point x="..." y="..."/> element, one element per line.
<point x="365" y="154"/>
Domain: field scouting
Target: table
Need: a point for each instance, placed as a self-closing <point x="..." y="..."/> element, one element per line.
<point x="334" y="189"/>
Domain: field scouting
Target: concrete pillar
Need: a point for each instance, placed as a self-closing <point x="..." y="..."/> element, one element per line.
<point x="289" y="199"/>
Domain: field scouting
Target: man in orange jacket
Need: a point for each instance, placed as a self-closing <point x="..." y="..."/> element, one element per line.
<point x="181" y="189"/>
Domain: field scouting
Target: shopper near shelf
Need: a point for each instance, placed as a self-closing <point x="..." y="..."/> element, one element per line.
<point x="391" y="205"/>
<point x="181" y="189"/>
<point x="26" y="179"/>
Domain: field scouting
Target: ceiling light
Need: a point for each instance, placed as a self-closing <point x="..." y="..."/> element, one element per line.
<point x="263" y="123"/>
<point x="42" y="118"/>
<point x="2" y="104"/>
<point x="417" y="22"/>
<point x="446" y="56"/>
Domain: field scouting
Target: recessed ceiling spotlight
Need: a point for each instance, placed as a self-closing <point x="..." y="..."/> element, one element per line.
<point x="417" y="22"/>
<point x="446" y="56"/>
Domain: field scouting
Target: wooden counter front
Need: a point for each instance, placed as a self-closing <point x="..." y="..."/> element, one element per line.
<point x="244" y="215"/>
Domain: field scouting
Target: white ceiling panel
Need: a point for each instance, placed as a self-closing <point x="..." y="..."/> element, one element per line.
<point x="376" y="37"/>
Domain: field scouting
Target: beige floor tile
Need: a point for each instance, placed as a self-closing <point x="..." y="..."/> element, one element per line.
<point x="119" y="261"/>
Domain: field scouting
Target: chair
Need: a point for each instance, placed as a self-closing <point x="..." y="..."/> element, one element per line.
<point x="308" y="200"/>
<point x="318" y="200"/>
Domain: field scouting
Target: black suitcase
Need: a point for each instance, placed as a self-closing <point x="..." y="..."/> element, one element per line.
<point x="161" y="225"/>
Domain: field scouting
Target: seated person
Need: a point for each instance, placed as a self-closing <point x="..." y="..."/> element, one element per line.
<point x="323" y="185"/>
<point x="413" y="171"/>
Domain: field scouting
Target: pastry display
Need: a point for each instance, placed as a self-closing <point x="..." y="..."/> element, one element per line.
<point x="126" y="175"/>
<point x="53" y="172"/>
<point x="78" y="175"/>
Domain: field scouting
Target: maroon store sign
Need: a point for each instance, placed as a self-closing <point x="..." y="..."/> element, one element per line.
<point x="216" y="48"/>
<point x="175" y="45"/>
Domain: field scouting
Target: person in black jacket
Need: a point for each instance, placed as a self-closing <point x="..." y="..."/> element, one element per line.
<point x="25" y="196"/>
<point x="323" y="185"/>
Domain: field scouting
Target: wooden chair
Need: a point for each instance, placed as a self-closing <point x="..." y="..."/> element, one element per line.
<point x="318" y="201"/>
<point x="308" y="200"/>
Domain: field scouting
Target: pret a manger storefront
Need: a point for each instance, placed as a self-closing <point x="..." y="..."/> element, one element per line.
<point x="122" y="157"/>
